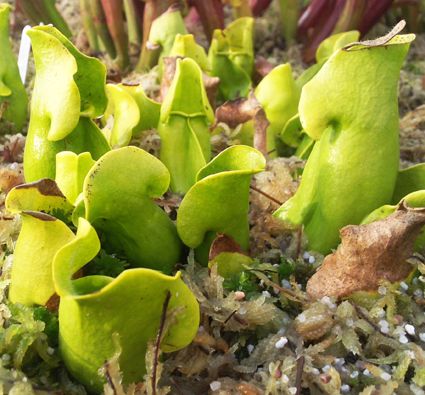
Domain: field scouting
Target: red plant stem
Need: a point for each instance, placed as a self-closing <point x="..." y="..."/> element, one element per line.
<point x="312" y="13"/>
<point x="323" y="31"/>
<point x="351" y="16"/>
<point x="211" y="14"/>
<point x="258" y="7"/>
<point x="115" y="22"/>
<point x="375" y="9"/>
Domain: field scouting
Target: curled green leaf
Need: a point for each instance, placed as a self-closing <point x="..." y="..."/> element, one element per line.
<point x="218" y="202"/>
<point x="231" y="56"/>
<point x="353" y="117"/>
<point x="184" y="126"/>
<point x="68" y="91"/>
<point x="71" y="170"/>
<point x="95" y="307"/>
<point x="118" y="198"/>
<point x="13" y="98"/>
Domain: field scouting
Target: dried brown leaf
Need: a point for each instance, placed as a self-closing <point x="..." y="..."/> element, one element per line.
<point x="369" y="254"/>
<point x="223" y="243"/>
<point x="241" y="110"/>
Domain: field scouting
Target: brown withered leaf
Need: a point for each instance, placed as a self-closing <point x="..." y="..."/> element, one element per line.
<point x="169" y="64"/>
<point x="223" y="243"/>
<point x="10" y="176"/>
<point x="369" y="254"/>
<point x="241" y="110"/>
<point x="262" y="68"/>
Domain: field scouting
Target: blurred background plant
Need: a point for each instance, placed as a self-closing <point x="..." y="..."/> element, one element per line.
<point x="122" y="27"/>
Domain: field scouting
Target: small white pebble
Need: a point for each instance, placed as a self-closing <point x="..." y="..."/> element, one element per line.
<point x="422" y="336"/>
<point x="384" y="326"/>
<point x="410" y="329"/>
<point x="354" y="374"/>
<point x="239" y="295"/>
<point x="266" y="294"/>
<point x="380" y="313"/>
<point x="311" y="259"/>
<point x="410" y="354"/>
<point x="326" y="368"/>
<point x="50" y="350"/>
<point x="306" y="256"/>
<point x="404" y="286"/>
<point x="367" y="373"/>
<point x="292" y="390"/>
<point x="215" y="385"/>
<point x="418" y="293"/>
<point x="301" y="318"/>
<point x="345" y="388"/>
<point x="385" y="376"/>
<point x="285" y="378"/>
<point x="382" y="290"/>
<point x="315" y="371"/>
<point x="328" y="302"/>
<point x="286" y="284"/>
<point x="339" y="361"/>
<point x="24" y="379"/>
<point x="250" y="348"/>
<point x="6" y="357"/>
<point x="403" y="339"/>
<point x="416" y="390"/>
<point x="242" y="311"/>
<point x="281" y="342"/>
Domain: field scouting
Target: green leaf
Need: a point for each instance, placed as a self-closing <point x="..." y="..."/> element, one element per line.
<point x="184" y="126"/>
<point x="71" y="169"/>
<point x="409" y="180"/>
<point x="353" y="117"/>
<point x="12" y="92"/>
<point x="94" y="307"/>
<point x="68" y="87"/>
<point x="331" y="44"/>
<point x="118" y="193"/>
<point x="40" y="239"/>
<point x="231" y="56"/>
<point x="230" y="264"/>
<point x="219" y="201"/>
<point x="125" y="113"/>
<point x="278" y="94"/>
<point x="43" y="196"/>
<point x="185" y="46"/>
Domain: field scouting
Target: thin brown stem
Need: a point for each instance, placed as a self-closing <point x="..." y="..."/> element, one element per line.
<point x="299" y="375"/>
<point x="158" y="341"/>
<point x="266" y="195"/>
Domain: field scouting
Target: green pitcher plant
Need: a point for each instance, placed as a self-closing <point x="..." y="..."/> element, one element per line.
<point x="279" y="95"/>
<point x="231" y="57"/>
<point x="186" y="116"/>
<point x="132" y="111"/>
<point x="13" y="98"/>
<point x="69" y="90"/>
<point x="41" y="236"/>
<point x="95" y="308"/>
<point x="219" y="201"/>
<point x="350" y="109"/>
<point x="117" y="200"/>
<point x="292" y="134"/>
<point x="185" y="46"/>
<point x="161" y="38"/>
